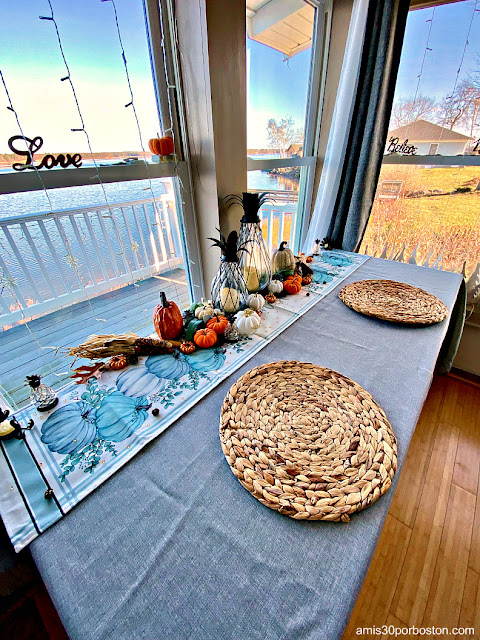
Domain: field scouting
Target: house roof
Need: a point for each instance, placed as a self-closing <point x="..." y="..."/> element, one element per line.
<point x="424" y="131"/>
<point x="294" y="147"/>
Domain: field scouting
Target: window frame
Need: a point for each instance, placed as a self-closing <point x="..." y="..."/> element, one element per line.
<point x="315" y="99"/>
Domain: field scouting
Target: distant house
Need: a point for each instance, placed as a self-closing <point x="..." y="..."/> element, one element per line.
<point x="295" y="150"/>
<point x="429" y="139"/>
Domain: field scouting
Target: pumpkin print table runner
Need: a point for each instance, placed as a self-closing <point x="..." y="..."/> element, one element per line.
<point x="96" y="428"/>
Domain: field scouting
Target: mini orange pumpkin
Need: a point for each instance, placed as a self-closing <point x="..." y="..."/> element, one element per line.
<point x="309" y="259"/>
<point x="296" y="277"/>
<point x="271" y="298"/>
<point x="306" y="280"/>
<point x="218" y="324"/>
<point x="117" y="362"/>
<point x="292" y="285"/>
<point x="161" y="146"/>
<point x="187" y="348"/>
<point x="205" y="338"/>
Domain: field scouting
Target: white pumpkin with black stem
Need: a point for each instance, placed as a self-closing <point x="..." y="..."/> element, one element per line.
<point x="247" y="321"/>
<point x="255" y="301"/>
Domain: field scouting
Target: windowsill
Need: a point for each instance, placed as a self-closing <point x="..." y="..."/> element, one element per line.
<point x="18" y="181"/>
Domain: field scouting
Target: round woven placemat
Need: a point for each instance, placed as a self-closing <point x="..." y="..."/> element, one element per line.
<point x="307" y="441"/>
<point x="393" y="301"/>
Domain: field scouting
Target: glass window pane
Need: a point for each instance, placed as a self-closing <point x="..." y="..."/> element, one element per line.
<point x="46" y="105"/>
<point x="91" y="259"/>
<point x="279" y="39"/>
<point x="428" y="213"/>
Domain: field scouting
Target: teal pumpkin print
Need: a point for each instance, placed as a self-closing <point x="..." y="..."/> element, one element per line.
<point x="322" y="277"/>
<point x="138" y="382"/>
<point x="168" y="366"/>
<point x="336" y="260"/>
<point x="70" y="428"/>
<point x="206" y="360"/>
<point x="119" y="416"/>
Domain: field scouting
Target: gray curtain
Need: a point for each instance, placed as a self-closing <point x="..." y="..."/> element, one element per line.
<point x="385" y="26"/>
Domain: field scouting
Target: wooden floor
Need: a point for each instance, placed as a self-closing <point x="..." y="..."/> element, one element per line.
<point x="426" y="568"/>
<point x="32" y="349"/>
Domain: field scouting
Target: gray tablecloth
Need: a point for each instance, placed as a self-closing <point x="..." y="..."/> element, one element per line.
<point x="173" y="547"/>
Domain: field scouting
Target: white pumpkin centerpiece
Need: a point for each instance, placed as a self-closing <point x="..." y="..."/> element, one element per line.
<point x="255" y="301"/>
<point x="275" y="286"/>
<point x="247" y="321"/>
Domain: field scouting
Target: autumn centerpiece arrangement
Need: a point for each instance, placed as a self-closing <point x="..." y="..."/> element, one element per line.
<point x="247" y="283"/>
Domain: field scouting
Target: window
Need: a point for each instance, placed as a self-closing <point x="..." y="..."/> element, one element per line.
<point x="86" y="249"/>
<point x="285" y="53"/>
<point x="433" y="218"/>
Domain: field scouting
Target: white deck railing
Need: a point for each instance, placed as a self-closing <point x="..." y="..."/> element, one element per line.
<point x="279" y="219"/>
<point x="51" y="260"/>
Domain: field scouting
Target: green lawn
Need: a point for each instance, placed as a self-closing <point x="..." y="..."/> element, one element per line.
<point x="447" y="225"/>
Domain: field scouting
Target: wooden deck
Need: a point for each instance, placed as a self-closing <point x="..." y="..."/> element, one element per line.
<point x="32" y="349"/>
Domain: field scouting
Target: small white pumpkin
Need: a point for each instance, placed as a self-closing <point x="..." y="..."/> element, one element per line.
<point x="255" y="301"/>
<point x="206" y="310"/>
<point x="275" y="286"/>
<point x="247" y="321"/>
<point x="229" y="300"/>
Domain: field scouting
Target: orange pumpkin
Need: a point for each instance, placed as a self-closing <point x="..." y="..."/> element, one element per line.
<point x="117" y="362"/>
<point x="307" y="280"/>
<point x="161" y="146"/>
<point x="167" y="319"/>
<point x="293" y="285"/>
<point x="218" y="324"/>
<point x="271" y="298"/>
<point x="187" y="348"/>
<point x="205" y="338"/>
<point x="309" y="259"/>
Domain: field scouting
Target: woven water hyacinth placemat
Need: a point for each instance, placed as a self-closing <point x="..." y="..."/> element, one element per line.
<point x="393" y="301"/>
<point x="307" y="441"/>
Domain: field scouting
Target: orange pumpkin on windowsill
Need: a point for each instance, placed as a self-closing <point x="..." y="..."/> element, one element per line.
<point x="161" y="146"/>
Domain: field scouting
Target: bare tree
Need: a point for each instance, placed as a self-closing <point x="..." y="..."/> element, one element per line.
<point x="283" y="133"/>
<point x="461" y="110"/>
<point x="407" y="110"/>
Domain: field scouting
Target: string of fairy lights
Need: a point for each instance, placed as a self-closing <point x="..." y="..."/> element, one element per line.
<point x="4" y="281"/>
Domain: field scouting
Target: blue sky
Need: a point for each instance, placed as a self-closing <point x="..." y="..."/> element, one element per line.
<point x="447" y="40"/>
<point x="32" y="67"/>
<point x="276" y="88"/>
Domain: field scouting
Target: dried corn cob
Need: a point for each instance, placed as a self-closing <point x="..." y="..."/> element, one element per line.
<point x="127" y="344"/>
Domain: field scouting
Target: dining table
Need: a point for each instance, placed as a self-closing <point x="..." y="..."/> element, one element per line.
<point x="172" y="547"/>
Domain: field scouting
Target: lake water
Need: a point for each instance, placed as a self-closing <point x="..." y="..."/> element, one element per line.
<point x="18" y="204"/>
